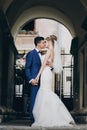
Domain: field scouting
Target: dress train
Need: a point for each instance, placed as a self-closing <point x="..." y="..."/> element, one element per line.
<point x="49" y="110"/>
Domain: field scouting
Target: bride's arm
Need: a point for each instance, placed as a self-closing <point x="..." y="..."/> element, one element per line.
<point x="44" y="64"/>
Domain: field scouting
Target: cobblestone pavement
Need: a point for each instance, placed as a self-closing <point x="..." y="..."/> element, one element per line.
<point x="16" y="127"/>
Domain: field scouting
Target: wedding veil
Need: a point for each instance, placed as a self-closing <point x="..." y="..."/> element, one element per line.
<point x="57" y="64"/>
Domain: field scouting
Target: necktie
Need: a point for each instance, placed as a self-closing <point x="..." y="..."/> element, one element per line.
<point x="39" y="52"/>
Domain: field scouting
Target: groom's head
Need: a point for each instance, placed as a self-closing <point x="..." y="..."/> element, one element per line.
<point x="39" y="42"/>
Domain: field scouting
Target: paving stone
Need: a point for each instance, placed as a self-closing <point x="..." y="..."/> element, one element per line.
<point x="14" y="127"/>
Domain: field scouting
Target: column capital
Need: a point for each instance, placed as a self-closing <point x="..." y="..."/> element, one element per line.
<point x="74" y="46"/>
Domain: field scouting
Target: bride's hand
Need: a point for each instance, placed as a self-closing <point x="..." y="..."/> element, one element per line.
<point x="37" y="78"/>
<point x="50" y="64"/>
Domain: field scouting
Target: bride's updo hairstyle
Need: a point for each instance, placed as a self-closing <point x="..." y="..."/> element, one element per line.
<point x="52" y="38"/>
<point x="48" y="38"/>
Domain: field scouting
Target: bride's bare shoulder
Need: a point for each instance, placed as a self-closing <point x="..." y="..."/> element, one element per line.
<point x="43" y="51"/>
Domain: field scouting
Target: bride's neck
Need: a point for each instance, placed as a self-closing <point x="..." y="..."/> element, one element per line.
<point x="51" y="47"/>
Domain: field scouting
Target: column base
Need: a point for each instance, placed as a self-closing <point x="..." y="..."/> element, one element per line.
<point x="6" y="114"/>
<point x="80" y="116"/>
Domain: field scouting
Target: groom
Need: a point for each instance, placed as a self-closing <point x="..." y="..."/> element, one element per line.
<point x="32" y="67"/>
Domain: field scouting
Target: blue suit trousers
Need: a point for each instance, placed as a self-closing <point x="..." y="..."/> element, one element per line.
<point x="34" y="90"/>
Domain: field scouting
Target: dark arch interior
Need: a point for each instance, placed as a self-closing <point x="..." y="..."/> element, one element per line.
<point x="29" y="26"/>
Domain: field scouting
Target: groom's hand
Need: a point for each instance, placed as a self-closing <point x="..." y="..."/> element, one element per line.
<point x="34" y="82"/>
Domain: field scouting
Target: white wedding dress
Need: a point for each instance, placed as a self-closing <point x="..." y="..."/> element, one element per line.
<point x="49" y="110"/>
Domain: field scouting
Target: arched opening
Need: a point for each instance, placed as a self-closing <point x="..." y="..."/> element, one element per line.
<point x="62" y="86"/>
<point x="42" y="12"/>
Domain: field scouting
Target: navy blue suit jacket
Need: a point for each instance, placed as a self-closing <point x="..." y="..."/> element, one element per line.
<point x="32" y="67"/>
<point x="33" y="64"/>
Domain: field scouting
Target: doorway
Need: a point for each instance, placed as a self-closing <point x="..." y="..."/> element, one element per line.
<point x="24" y="43"/>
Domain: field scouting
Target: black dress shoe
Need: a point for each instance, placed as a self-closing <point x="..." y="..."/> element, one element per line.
<point x="31" y="122"/>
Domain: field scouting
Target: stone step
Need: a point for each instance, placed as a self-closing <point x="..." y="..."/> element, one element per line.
<point x="15" y="127"/>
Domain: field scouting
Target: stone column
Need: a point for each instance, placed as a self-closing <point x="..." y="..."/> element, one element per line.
<point x="1" y="41"/>
<point x="8" y="83"/>
<point x="81" y="114"/>
<point x="74" y="52"/>
<point x="86" y="76"/>
<point x="8" y="51"/>
<point x="83" y="75"/>
<point x="80" y="80"/>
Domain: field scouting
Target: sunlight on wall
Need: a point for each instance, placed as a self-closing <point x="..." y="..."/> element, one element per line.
<point x="46" y="27"/>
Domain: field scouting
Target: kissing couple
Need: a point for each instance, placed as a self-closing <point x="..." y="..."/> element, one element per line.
<point x="46" y="108"/>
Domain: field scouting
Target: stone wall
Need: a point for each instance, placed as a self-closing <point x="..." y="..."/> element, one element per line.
<point x="7" y="60"/>
<point x="11" y="74"/>
<point x="0" y="64"/>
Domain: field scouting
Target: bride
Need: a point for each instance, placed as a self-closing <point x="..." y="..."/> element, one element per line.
<point x="49" y="110"/>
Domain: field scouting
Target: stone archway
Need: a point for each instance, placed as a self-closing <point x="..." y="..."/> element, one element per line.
<point x="30" y="15"/>
<point x="42" y="12"/>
